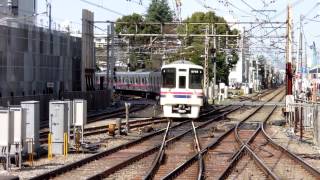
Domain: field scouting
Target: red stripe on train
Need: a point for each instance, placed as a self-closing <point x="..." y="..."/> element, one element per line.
<point x="182" y="93"/>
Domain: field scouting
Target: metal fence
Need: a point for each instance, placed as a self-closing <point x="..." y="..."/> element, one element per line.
<point x="303" y="117"/>
<point x="96" y="100"/>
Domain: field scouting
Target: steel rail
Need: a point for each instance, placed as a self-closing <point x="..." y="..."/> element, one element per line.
<point x="171" y="140"/>
<point x="200" y="159"/>
<point x="245" y="148"/>
<point x="264" y="93"/>
<point x="93" y="157"/>
<point x="253" y="155"/>
<point x="157" y="161"/>
<point x="194" y="158"/>
<point x="294" y="157"/>
<point x="176" y="171"/>
<point x="104" y="128"/>
<point x="74" y="165"/>
<point x="95" y="117"/>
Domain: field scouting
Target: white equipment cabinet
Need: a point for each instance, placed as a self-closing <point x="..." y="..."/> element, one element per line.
<point x="32" y="109"/>
<point x="79" y="116"/>
<point x="19" y="120"/>
<point x="19" y="115"/>
<point x="79" y="112"/>
<point x="6" y="132"/>
<point x="69" y="116"/>
<point x="58" y="124"/>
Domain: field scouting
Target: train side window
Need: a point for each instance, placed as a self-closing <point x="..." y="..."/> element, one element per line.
<point x="195" y="78"/>
<point x="169" y="77"/>
<point x="182" y="82"/>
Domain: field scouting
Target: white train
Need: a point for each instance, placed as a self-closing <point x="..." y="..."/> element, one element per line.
<point x="181" y="91"/>
<point x="146" y="83"/>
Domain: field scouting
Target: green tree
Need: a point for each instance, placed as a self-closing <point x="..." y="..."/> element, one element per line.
<point x="159" y="11"/>
<point x="131" y="21"/>
<point x="225" y="61"/>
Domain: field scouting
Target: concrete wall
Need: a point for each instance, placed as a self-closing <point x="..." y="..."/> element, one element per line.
<point x="30" y="59"/>
<point x="19" y="8"/>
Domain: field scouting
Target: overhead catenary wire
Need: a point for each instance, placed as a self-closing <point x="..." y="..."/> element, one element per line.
<point x="102" y="7"/>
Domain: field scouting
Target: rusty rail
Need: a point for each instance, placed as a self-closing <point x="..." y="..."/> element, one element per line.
<point x="194" y="158"/>
<point x="296" y="158"/>
<point x="74" y="165"/>
<point x="157" y="161"/>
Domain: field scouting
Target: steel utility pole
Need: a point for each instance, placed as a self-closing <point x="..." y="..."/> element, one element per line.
<point x="206" y="66"/>
<point x="306" y="61"/>
<point x="128" y="60"/>
<point x="214" y="64"/>
<point x="289" y="52"/>
<point x="108" y="57"/>
<point x="300" y="48"/>
<point x="257" y="75"/>
<point x="112" y="59"/>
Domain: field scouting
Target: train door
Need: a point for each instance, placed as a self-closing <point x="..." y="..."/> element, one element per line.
<point x="182" y="78"/>
<point x="182" y="82"/>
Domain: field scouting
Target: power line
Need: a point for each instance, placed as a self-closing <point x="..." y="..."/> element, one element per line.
<point x="281" y="12"/>
<point x="248" y="5"/>
<point x="102" y="7"/>
<point x="243" y="11"/>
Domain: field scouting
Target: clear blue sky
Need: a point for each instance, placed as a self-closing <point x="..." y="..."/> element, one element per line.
<point x="235" y="10"/>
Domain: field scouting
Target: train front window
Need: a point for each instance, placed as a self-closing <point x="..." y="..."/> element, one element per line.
<point x="169" y="78"/>
<point x="182" y="82"/>
<point x="195" y="78"/>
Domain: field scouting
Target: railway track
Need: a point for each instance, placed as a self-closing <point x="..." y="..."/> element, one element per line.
<point x="216" y="155"/>
<point x="89" y="131"/>
<point x="124" y="153"/>
<point x="149" y="173"/>
<point x="100" y="129"/>
<point x="246" y="152"/>
<point x="99" y="116"/>
<point x="257" y="96"/>
<point x="260" y="154"/>
<point x="117" y="113"/>
<point x="104" y="128"/>
<point x="169" y="156"/>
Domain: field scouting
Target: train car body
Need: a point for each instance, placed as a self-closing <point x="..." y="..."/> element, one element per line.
<point x="181" y="90"/>
<point x="145" y="83"/>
